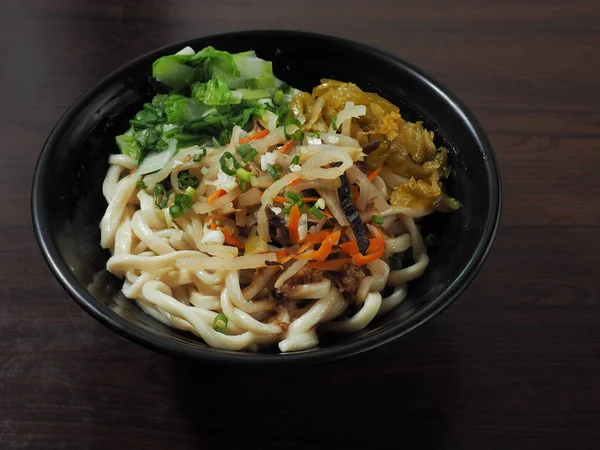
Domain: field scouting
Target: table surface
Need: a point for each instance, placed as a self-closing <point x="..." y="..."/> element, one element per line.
<point x="513" y="364"/>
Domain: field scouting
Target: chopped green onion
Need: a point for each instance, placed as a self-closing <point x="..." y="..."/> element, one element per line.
<point x="175" y="211"/>
<point x="250" y="156"/>
<point x="190" y="191"/>
<point x="334" y="123"/>
<point x="141" y="185"/>
<point x="293" y="197"/>
<point x="244" y="149"/>
<point x="377" y="219"/>
<point x="226" y="167"/>
<point x="278" y="97"/>
<point x="244" y="185"/>
<point x="316" y="134"/>
<point x="273" y="172"/>
<point x="184" y="201"/>
<point x="287" y="208"/>
<point x="220" y="319"/>
<point x="244" y="175"/>
<point x="296" y="134"/>
<point x="198" y="156"/>
<point x="315" y="211"/>
<point x="185" y="180"/>
<point x="295" y="160"/>
<point x="277" y="167"/>
<point x="160" y="196"/>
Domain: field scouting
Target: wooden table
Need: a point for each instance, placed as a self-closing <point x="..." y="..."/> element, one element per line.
<point x="514" y="364"/>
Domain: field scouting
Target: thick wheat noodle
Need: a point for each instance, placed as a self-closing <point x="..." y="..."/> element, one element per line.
<point x="112" y="216"/>
<point x="361" y="319"/>
<point x="244" y="320"/>
<point x="240" y="301"/>
<point x="259" y="281"/>
<point x="158" y="294"/>
<point x="149" y="237"/>
<point x="401" y="276"/>
<point x="292" y="270"/>
<point x="310" y="290"/>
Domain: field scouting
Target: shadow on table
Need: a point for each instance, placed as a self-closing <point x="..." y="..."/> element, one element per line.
<point x="395" y="397"/>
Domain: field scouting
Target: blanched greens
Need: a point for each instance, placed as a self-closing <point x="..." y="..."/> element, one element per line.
<point x="209" y="92"/>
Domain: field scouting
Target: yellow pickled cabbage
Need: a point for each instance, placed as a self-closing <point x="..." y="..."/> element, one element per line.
<point x="407" y="148"/>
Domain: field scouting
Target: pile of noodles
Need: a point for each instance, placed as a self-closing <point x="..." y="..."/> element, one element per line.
<point x="181" y="278"/>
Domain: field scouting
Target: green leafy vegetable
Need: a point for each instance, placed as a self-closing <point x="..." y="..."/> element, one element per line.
<point x="173" y="72"/>
<point x="128" y="146"/>
<point x="214" y="92"/>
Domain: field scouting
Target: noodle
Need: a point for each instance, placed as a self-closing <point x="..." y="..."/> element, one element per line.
<point x="251" y="241"/>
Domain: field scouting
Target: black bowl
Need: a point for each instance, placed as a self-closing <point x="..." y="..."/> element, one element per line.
<point x="67" y="202"/>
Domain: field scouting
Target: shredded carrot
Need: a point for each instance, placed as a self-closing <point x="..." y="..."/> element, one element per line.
<point x="310" y="199"/>
<point x="373" y="174"/>
<point x="316" y="237"/>
<point x="213" y="226"/>
<point x="286" y="147"/>
<point x="333" y="264"/>
<point x="361" y="260"/>
<point x="327" y="213"/>
<point x="352" y="248"/>
<point x="215" y="195"/>
<point x="232" y="240"/>
<point x="281" y="199"/>
<point x="254" y="136"/>
<point x="297" y="180"/>
<point x="324" y="250"/>
<point x="294" y="222"/>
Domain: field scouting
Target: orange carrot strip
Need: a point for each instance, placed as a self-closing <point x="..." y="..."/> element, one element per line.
<point x="286" y="147"/>
<point x="294" y="222"/>
<point x="333" y="264"/>
<point x="373" y="174"/>
<point x="281" y="199"/>
<point x="326" y="247"/>
<point x="361" y="260"/>
<point x="351" y="247"/>
<point x="297" y="180"/>
<point x="215" y="195"/>
<point x="253" y="136"/>
<point x="232" y="240"/>
<point x="317" y="237"/>
<point x="310" y="199"/>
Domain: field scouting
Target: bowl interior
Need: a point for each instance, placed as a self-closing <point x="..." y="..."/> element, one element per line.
<point x="68" y="202"/>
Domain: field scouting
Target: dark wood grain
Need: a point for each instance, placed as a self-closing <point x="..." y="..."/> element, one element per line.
<point x="514" y="364"/>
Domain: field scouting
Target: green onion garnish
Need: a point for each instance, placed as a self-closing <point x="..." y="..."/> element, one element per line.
<point x="226" y="167"/>
<point x="293" y="197"/>
<point x="243" y="149"/>
<point x="175" y="211"/>
<point x="184" y="201"/>
<point x="296" y="134"/>
<point x="316" y="134"/>
<point x="273" y="172"/>
<point x="278" y="97"/>
<point x="190" y="191"/>
<point x="315" y="211"/>
<point x="185" y="180"/>
<point x="295" y="160"/>
<point x="160" y="196"/>
<point x="334" y="123"/>
<point x="141" y="185"/>
<point x="287" y="208"/>
<point x="250" y="156"/>
<point x="198" y="156"/>
<point x="244" y="175"/>
<point x="277" y="167"/>
<point x="220" y="323"/>
<point x="377" y="219"/>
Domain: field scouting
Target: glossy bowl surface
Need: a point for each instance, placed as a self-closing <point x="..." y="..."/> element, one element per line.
<point x="67" y="202"/>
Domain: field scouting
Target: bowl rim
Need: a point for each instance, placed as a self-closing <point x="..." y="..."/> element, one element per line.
<point x="137" y="334"/>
